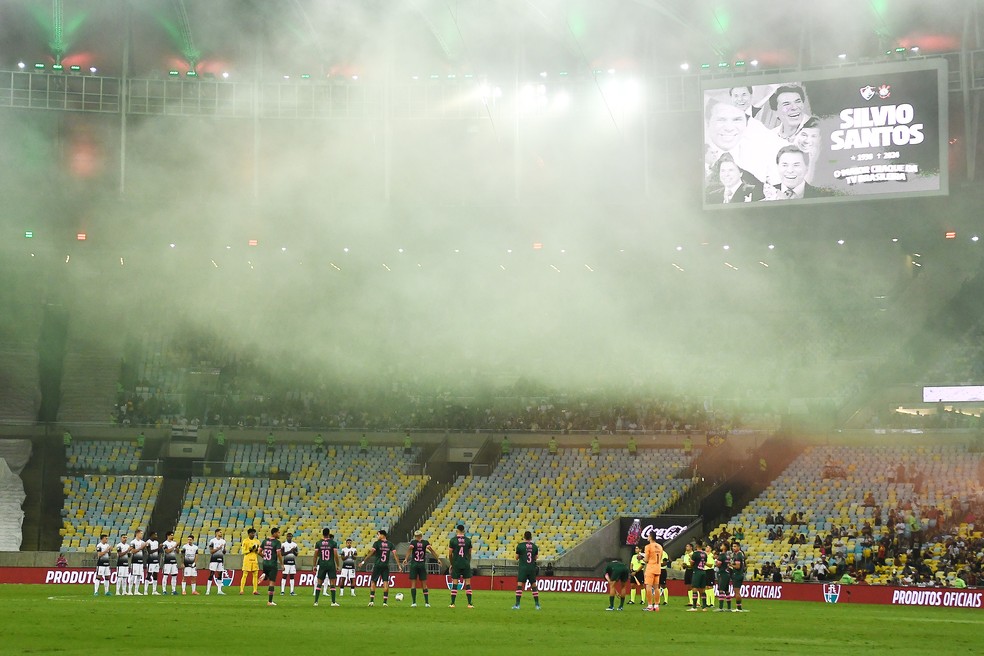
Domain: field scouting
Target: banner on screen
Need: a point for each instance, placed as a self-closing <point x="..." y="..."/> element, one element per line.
<point x="855" y="133"/>
<point x="665" y="527"/>
<point x="953" y="394"/>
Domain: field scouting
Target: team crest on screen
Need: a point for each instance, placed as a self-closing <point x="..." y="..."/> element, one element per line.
<point x="868" y="92"/>
<point x="452" y="585"/>
<point x="831" y="592"/>
<point x="884" y="91"/>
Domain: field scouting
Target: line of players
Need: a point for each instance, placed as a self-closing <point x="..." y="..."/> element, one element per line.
<point x="709" y="576"/>
<point x="265" y="559"/>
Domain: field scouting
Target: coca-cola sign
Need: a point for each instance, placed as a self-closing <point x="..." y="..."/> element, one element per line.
<point x="664" y="528"/>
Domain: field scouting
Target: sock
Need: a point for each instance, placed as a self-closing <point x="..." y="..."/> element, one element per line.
<point x="256" y="581"/>
<point x="292" y="584"/>
<point x="611" y="601"/>
<point x="106" y="585"/>
<point x="621" y="601"/>
<point x="283" y="584"/>
<point x="317" y="593"/>
<point x="413" y="595"/>
<point x="332" y="594"/>
<point x="738" y="604"/>
<point x="146" y="585"/>
<point x="468" y="593"/>
<point x="194" y="586"/>
<point x="208" y="586"/>
<point x="729" y="604"/>
<point x="372" y="595"/>
<point x="386" y="594"/>
<point x="270" y="594"/>
<point x="720" y="604"/>
<point x="183" y="584"/>
<point x="95" y="589"/>
<point x="519" y="595"/>
<point x="536" y="597"/>
<point x="632" y="595"/>
<point x="426" y="596"/>
<point x="454" y="594"/>
<point x="665" y="594"/>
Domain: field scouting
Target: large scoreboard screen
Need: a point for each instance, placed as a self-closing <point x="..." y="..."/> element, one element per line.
<point x="876" y="131"/>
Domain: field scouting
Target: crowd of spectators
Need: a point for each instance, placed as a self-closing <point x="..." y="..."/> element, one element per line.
<point x="916" y="545"/>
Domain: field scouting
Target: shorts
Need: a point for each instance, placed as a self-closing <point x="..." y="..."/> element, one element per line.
<point x="326" y="570"/>
<point x="251" y="566"/>
<point x="170" y="569"/>
<point x="698" y="580"/>
<point x="216" y="566"/>
<point x="137" y="569"/>
<point x="737" y="579"/>
<point x="347" y="573"/>
<point x="418" y="572"/>
<point x="153" y="569"/>
<point x="723" y="587"/>
<point x="270" y="573"/>
<point x="526" y="574"/>
<point x="688" y="576"/>
<point x="461" y="571"/>
<point x="190" y="572"/>
<point x="662" y="578"/>
<point x="652" y="578"/>
<point x="102" y="570"/>
<point x="637" y="577"/>
<point x="123" y="571"/>
<point x="380" y="575"/>
<point x="622" y="577"/>
<point x="290" y="569"/>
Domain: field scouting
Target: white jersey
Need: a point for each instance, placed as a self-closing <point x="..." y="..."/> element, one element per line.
<point x="137" y="550"/>
<point x="216" y="550"/>
<point x="349" y="554"/>
<point x="103" y="551"/>
<point x="153" y="555"/>
<point x="122" y="554"/>
<point x="189" y="551"/>
<point x="290" y="550"/>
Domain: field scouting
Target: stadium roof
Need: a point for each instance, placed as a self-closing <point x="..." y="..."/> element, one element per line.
<point x="447" y="36"/>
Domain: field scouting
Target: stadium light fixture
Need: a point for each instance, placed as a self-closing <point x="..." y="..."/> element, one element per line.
<point x="562" y="73"/>
<point x="75" y="68"/>
<point x="900" y="50"/>
<point x="914" y="49"/>
<point x="355" y="78"/>
<point x="39" y="66"/>
<point x="81" y="236"/>
<point x="727" y="247"/>
<point x="543" y="74"/>
<point x="57" y="67"/>
<point x="740" y="63"/>
<point x="754" y="63"/>
<point x="21" y="65"/>
<point x="172" y="245"/>
<point x="305" y="76"/>
<point x="840" y="242"/>
<point x="950" y="234"/>
<point x="28" y="234"/>
<point x="975" y="238"/>
<point x="684" y="66"/>
<point x="842" y="56"/>
<point x="772" y="247"/>
<point x="225" y="75"/>
<point x="895" y="240"/>
<point x="723" y="64"/>
<point x="191" y="74"/>
<point x="679" y="248"/>
<point x="174" y="73"/>
<point x="93" y="70"/>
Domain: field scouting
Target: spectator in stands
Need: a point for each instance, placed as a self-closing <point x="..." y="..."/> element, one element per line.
<point x="729" y="502"/>
<point x="552" y="445"/>
<point x="776" y="575"/>
<point x="688" y="445"/>
<point x="407" y="444"/>
<point x="220" y="438"/>
<point x="319" y="441"/>
<point x="67" y="439"/>
<point x="595" y="446"/>
<point x="740" y="534"/>
<point x="632" y="446"/>
<point x="799" y="575"/>
<point x="141" y="440"/>
<point x="548" y="570"/>
<point x="270" y="441"/>
<point x="817" y="542"/>
<point x="847" y="579"/>
<point x="505" y="446"/>
<point x="820" y="569"/>
<point x="62" y="561"/>
<point x="364" y="444"/>
<point x="779" y="519"/>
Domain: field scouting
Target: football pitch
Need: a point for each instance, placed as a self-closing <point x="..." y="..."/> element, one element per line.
<point x="68" y="619"/>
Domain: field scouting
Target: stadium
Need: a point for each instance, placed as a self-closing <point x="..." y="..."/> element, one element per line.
<point x="448" y="271"/>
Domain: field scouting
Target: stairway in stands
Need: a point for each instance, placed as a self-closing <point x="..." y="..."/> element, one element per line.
<point x="45" y="495"/>
<point x="167" y="509"/>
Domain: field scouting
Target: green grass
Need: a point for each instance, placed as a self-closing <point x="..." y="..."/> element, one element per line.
<point x="69" y="620"/>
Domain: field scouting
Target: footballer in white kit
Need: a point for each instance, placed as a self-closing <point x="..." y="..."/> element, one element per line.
<point x="153" y="562"/>
<point x="216" y="558"/>
<point x="290" y="551"/>
<point x="137" y="546"/>
<point x="170" y="548"/>
<point x="103" y="551"/>
<point x="346" y="575"/>
<point x="189" y="552"/>
<point x="123" y="566"/>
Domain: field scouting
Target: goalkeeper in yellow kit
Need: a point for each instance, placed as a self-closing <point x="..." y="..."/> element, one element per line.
<point x="251" y="564"/>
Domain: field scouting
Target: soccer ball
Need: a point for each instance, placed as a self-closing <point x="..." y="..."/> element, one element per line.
<point x="399" y="596"/>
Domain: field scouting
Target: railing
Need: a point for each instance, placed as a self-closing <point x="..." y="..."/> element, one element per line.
<point x="220" y="468"/>
<point x="117" y="468"/>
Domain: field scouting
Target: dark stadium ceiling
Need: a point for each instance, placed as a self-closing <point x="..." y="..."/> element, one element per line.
<point x="371" y="37"/>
